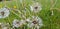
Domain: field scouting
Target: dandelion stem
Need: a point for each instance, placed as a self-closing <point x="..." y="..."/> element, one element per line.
<point x="53" y="3"/>
<point x="15" y="13"/>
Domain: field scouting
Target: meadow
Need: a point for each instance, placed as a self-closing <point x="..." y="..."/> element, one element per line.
<point x="49" y="21"/>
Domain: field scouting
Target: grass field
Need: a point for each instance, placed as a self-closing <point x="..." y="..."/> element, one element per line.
<point x="50" y="22"/>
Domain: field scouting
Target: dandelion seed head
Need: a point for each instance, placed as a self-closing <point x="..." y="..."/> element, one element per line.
<point x="4" y="12"/>
<point x="36" y="7"/>
<point x="16" y="23"/>
<point x="5" y="25"/>
<point x="36" y="21"/>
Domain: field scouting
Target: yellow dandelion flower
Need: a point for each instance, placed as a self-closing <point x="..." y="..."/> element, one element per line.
<point x="15" y="7"/>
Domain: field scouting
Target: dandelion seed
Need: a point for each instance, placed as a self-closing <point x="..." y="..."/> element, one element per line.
<point x="4" y="12"/>
<point x="28" y="20"/>
<point x="36" y="7"/>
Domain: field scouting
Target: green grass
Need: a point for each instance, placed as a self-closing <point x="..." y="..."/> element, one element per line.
<point x="50" y="22"/>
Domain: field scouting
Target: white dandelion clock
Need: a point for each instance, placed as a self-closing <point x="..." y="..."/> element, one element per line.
<point x="16" y="23"/>
<point x="4" y="12"/>
<point x="36" y="7"/>
<point x="35" y="22"/>
<point x="5" y="26"/>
